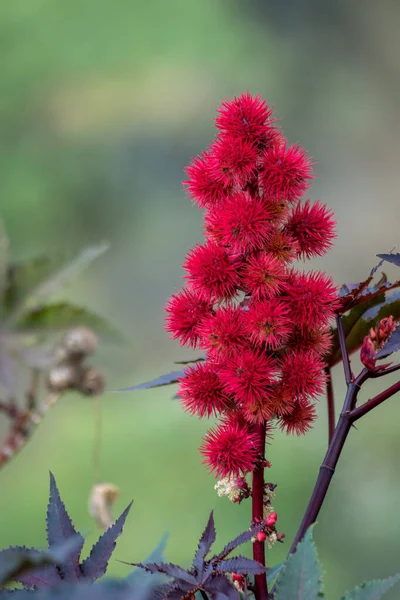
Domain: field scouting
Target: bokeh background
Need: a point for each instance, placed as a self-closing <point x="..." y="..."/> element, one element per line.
<point x="102" y="105"/>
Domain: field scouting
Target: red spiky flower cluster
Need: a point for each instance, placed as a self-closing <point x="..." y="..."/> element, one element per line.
<point x="263" y="324"/>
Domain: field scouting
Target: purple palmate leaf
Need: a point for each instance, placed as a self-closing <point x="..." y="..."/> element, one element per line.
<point x="59" y="530"/>
<point x="241" y="565"/>
<point x="240" y="539"/>
<point x="206" y="541"/>
<point x="392" y="258"/>
<point x="96" y="563"/>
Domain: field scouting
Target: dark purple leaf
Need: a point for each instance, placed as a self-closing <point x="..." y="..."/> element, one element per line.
<point x="169" y="569"/>
<point x="392" y="345"/>
<point x="392" y="258"/>
<point x="220" y="588"/>
<point x="177" y="573"/>
<point x="241" y="565"/>
<point x="189" y="362"/>
<point x="96" y="564"/>
<point x="167" y="379"/>
<point x="60" y="529"/>
<point x="28" y="566"/>
<point x="206" y="541"/>
<point x="139" y="575"/>
<point x="240" y="539"/>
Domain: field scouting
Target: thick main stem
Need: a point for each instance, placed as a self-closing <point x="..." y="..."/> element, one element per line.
<point x="328" y="466"/>
<point x="257" y="497"/>
<point x="331" y="405"/>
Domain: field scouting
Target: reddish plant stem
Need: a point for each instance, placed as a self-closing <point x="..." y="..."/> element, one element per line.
<point x="328" y="466"/>
<point x="257" y="497"/>
<point x="343" y="349"/>
<point x="364" y="409"/>
<point x="331" y="405"/>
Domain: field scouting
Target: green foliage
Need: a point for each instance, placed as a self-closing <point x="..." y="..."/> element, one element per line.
<point x="301" y="578"/>
<point x="372" y="590"/>
<point x="29" y="317"/>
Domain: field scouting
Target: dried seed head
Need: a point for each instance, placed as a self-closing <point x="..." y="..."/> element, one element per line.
<point x="91" y="382"/>
<point x="102" y="497"/>
<point x="61" y="377"/>
<point x="80" y="342"/>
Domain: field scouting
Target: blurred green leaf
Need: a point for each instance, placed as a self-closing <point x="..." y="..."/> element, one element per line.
<point x="301" y="577"/>
<point x="31" y="283"/>
<point x="62" y="315"/>
<point x="372" y="590"/>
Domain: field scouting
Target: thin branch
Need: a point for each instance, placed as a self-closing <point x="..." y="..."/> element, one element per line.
<point x="331" y="404"/>
<point x="364" y="409"/>
<point x="22" y="428"/>
<point x="10" y="409"/>
<point x="343" y="349"/>
<point x="375" y="374"/>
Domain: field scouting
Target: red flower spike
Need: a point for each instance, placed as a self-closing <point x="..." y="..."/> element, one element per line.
<point x="261" y="536"/>
<point x="266" y="321"/>
<point x="367" y="353"/>
<point x="247" y="375"/>
<point x="263" y="275"/>
<point x="313" y="226"/>
<point x="186" y="310"/>
<point x="303" y="374"/>
<point x="248" y="118"/>
<point x="285" y="172"/>
<point x="230" y="449"/>
<point x="300" y="420"/>
<point x="222" y="333"/>
<point x="311" y="298"/>
<point x="212" y="272"/>
<point x="282" y="246"/>
<point x="234" y="161"/>
<point x="203" y="187"/>
<point x="243" y="223"/>
<point x="201" y="391"/>
<point x="271" y="519"/>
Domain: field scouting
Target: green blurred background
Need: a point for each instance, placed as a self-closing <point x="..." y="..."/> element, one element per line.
<point x="102" y="105"/>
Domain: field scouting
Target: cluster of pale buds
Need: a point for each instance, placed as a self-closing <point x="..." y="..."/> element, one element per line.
<point x="70" y="371"/>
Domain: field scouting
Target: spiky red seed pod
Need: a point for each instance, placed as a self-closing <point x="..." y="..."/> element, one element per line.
<point x="230" y="449"/>
<point x="271" y="519"/>
<point x="267" y="322"/>
<point x="300" y="420"/>
<point x="302" y="373"/>
<point x="285" y="172"/>
<point x="242" y="222"/>
<point x="257" y="410"/>
<point x="203" y="187"/>
<point x="311" y="298"/>
<point x="263" y="275"/>
<point x="248" y="374"/>
<point x="201" y="391"/>
<point x="223" y="333"/>
<point x="248" y="118"/>
<point x="212" y="272"/>
<point x="261" y="536"/>
<point x="282" y="246"/>
<point x="318" y="339"/>
<point x="186" y="310"/>
<point x="234" y="161"/>
<point x="313" y="226"/>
